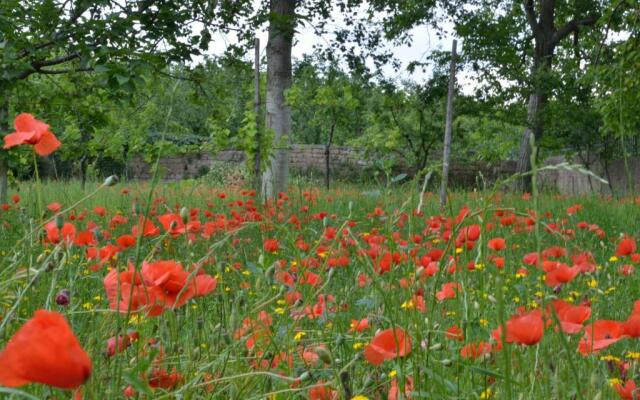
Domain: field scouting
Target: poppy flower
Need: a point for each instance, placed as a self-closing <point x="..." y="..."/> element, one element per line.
<point x="394" y="391"/>
<point x="387" y="345"/>
<point x="496" y="244"/>
<point x="626" y="247"/>
<point x="628" y="391"/>
<point x="44" y="350"/>
<point x="448" y="291"/>
<point x="571" y="317"/>
<point x="359" y="326"/>
<point x="31" y="131"/>
<point x="123" y="342"/>
<point x="475" y="350"/>
<point x="600" y="335"/>
<point x="526" y="329"/>
<point x="562" y="273"/>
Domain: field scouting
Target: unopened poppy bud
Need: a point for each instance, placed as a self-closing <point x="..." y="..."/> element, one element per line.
<point x="173" y="225"/>
<point x="63" y="298"/>
<point x="269" y="272"/>
<point x="476" y="305"/>
<point x="420" y="270"/>
<point x="111" y="180"/>
<point x="184" y="214"/>
<point x="129" y="391"/>
<point x="492" y="299"/>
<point x="446" y="362"/>
<point x="324" y="355"/>
<point x="304" y="376"/>
<point x="59" y="221"/>
<point x="98" y="234"/>
<point x="40" y="258"/>
<point x="436" y="346"/>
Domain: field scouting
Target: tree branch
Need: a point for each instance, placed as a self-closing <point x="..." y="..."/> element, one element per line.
<point x="62" y="71"/>
<point x="572" y="26"/>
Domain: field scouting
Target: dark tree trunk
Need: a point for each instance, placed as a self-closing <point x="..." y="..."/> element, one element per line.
<point x="281" y="31"/>
<point x="546" y="37"/>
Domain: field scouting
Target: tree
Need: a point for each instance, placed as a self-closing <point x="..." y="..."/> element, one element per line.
<point x="121" y="39"/>
<point x="278" y="113"/>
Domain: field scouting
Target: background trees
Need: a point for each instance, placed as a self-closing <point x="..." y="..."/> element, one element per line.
<point x="117" y="80"/>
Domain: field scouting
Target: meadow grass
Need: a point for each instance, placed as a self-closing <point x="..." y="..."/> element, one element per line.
<point x="205" y="343"/>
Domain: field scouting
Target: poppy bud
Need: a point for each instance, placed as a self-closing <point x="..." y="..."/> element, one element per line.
<point x="339" y="340"/>
<point x="173" y="225"/>
<point x="436" y="346"/>
<point x="446" y="362"/>
<point x="98" y="234"/>
<point x="63" y="298"/>
<point x="184" y="214"/>
<point x="59" y="221"/>
<point x="269" y="272"/>
<point x="304" y="376"/>
<point x="111" y="180"/>
<point x="324" y="355"/>
<point x="40" y="258"/>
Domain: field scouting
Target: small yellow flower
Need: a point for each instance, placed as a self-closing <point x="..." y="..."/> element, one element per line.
<point x="610" y="290"/>
<point x="516" y="299"/>
<point x="484" y="322"/>
<point x="203" y="345"/>
<point x="393" y="373"/>
<point x="486" y="394"/>
<point x="97" y="298"/>
<point x="479" y="266"/>
<point x="227" y="269"/>
<point x="246" y="273"/>
<point x="299" y="336"/>
<point x="451" y="313"/>
<point x="613" y="259"/>
<point x="634" y="355"/>
<point x="592" y="283"/>
<point x="435" y="241"/>
<point x="359" y="397"/>
<point x="87" y="306"/>
<point x="279" y="310"/>
<point x="615" y="382"/>
<point x="458" y="250"/>
<point x="281" y="302"/>
<point x="358" y="345"/>
<point x="194" y="306"/>
<point x="407" y="305"/>
<point x="610" y="357"/>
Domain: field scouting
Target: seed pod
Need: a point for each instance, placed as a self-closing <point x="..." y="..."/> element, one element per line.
<point x="111" y="180"/>
<point x="324" y="355"/>
<point x="184" y="214"/>
<point x="63" y="298"/>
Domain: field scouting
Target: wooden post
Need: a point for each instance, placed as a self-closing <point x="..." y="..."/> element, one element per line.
<point x="448" y="127"/>
<point x="257" y="177"/>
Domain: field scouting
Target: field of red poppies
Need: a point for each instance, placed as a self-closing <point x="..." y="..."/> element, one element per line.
<point x="182" y="290"/>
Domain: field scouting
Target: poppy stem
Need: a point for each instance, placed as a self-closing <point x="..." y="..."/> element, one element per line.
<point x="38" y="188"/>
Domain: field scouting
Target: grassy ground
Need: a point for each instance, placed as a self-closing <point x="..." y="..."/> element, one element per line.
<point x="279" y="322"/>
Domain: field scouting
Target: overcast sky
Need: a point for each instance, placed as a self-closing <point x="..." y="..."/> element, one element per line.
<point x="424" y="42"/>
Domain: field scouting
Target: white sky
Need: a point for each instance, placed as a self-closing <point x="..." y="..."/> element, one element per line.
<point x="424" y="42"/>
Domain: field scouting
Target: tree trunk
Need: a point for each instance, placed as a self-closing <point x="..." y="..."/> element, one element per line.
<point x="524" y="158"/>
<point x="448" y="127"/>
<point x="278" y="118"/>
<point x="256" y="108"/>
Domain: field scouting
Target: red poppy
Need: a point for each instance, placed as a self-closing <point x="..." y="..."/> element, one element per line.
<point x="387" y="345"/>
<point x="54" y="207"/>
<point x="448" y="291"/>
<point x="455" y="333"/>
<point x="571" y="317"/>
<point x="562" y="273"/>
<point x="526" y="329"/>
<point x="600" y="335"/>
<point x="359" y="326"/>
<point x="394" y="391"/>
<point x="496" y="244"/>
<point x="628" y="391"/>
<point x="626" y="247"/>
<point x="124" y="341"/>
<point x="475" y="350"/>
<point x="44" y="350"/>
<point x="31" y="131"/>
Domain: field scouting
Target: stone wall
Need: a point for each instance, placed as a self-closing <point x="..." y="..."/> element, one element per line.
<point x="302" y="158"/>
<point x="310" y="158"/>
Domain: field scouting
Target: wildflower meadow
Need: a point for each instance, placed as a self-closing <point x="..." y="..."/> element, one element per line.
<point x="182" y="290"/>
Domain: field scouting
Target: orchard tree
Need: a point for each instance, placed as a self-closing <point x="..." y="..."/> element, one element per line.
<point x="121" y="39"/>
